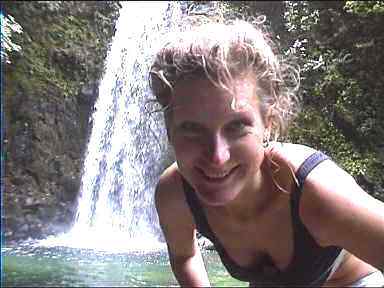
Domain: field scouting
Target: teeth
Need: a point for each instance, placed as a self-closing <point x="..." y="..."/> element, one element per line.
<point x="217" y="175"/>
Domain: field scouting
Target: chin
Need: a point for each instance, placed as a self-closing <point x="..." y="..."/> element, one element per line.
<point x="215" y="198"/>
<point x="217" y="192"/>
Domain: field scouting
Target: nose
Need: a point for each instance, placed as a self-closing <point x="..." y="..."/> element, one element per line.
<point x="218" y="150"/>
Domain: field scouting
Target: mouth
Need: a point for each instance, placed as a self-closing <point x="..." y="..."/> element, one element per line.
<point x="217" y="176"/>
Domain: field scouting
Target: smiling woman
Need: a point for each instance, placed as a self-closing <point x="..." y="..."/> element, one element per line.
<point x="278" y="214"/>
<point x="211" y="149"/>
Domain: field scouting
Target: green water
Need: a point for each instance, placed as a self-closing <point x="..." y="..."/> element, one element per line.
<point x="25" y="265"/>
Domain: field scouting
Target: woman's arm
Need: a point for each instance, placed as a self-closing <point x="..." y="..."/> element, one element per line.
<point x="337" y="211"/>
<point x="189" y="270"/>
<point x="179" y="230"/>
<point x="333" y="207"/>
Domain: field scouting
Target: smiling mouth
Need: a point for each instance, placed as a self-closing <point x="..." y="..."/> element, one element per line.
<point x="217" y="176"/>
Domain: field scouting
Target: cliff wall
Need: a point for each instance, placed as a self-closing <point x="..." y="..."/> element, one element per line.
<point x="50" y="88"/>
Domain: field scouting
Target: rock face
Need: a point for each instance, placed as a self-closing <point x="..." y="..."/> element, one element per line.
<point x="50" y="89"/>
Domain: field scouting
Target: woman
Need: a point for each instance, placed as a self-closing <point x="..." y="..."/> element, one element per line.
<point x="278" y="214"/>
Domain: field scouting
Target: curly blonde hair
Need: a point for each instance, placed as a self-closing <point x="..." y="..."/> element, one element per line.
<point x="221" y="50"/>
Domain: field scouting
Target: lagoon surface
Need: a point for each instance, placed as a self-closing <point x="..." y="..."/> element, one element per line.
<point x="25" y="264"/>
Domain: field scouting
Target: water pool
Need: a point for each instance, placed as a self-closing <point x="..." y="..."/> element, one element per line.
<point x="28" y="265"/>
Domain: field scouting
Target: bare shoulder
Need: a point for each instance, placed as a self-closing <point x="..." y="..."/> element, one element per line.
<point x="169" y="195"/>
<point x="337" y="211"/>
<point x="168" y="187"/>
<point x="289" y="153"/>
<point x="283" y="160"/>
<point x="329" y="188"/>
<point x="175" y="217"/>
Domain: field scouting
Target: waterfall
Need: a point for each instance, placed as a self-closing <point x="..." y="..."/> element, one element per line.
<point x="128" y="143"/>
<point x="126" y="149"/>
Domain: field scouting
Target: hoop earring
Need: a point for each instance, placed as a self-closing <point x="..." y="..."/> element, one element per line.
<point x="266" y="140"/>
<point x="267" y="135"/>
<point x="266" y="143"/>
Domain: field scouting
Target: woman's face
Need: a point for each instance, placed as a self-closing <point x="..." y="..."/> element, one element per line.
<point x="217" y="138"/>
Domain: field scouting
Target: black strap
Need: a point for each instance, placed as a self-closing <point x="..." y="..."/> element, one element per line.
<point x="196" y="210"/>
<point x="306" y="248"/>
<point x="307" y="166"/>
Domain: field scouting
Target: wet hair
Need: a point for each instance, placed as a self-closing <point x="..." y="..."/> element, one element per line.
<point x="222" y="51"/>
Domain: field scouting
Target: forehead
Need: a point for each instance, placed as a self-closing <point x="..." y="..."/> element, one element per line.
<point x="205" y="96"/>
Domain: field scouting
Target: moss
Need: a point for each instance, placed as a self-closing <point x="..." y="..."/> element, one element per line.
<point x="63" y="47"/>
<point x="312" y="128"/>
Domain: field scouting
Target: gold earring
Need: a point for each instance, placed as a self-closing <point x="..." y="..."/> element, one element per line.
<point x="266" y="143"/>
<point x="266" y="139"/>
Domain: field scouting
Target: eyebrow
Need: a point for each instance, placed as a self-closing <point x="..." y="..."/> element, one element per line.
<point x="242" y="114"/>
<point x="188" y="121"/>
<point x="235" y="116"/>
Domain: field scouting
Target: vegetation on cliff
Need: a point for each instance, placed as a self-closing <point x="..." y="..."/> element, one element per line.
<point x="50" y="86"/>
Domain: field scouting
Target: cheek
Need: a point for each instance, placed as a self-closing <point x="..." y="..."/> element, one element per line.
<point x="253" y="139"/>
<point x="184" y="148"/>
<point x="251" y="147"/>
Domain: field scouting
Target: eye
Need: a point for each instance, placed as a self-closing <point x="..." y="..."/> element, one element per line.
<point x="190" y="129"/>
<point x="238" y="127"/>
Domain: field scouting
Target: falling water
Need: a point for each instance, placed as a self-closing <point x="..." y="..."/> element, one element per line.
<point x="127" y="145"/>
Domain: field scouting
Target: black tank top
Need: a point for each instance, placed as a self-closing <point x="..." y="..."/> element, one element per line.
<point x="311" y="264"/>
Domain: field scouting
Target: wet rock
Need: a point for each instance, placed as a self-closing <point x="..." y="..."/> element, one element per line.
<point x="50" y="93"/>
<point x="24" y="228"/>
<point x="22" y="149"/>
<point x="29" y="202"/>
<point x="71" y="186"/>
<point x="88" y="94"/>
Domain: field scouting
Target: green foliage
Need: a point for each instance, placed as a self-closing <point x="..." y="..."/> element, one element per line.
<point x="341" y="91"/>
<point x="61" y="53"/>
<point x="364" y="8"/>
<point x="300" y="17"/>
<point x="312" y="129"/>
